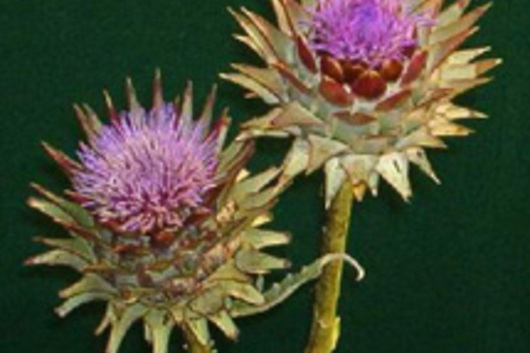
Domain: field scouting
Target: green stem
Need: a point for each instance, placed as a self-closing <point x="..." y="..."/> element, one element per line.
<point x="193" y="344"/>
<point x="325" y="329"/>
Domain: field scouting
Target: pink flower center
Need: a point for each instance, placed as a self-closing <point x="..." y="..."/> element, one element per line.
<point x="366" y="30"/>
<point x="147" y="174"/>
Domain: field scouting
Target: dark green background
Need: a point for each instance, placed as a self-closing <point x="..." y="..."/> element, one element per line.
<point x="447" y="273"/>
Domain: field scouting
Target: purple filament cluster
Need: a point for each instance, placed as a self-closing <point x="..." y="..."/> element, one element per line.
<point x="147" y="171"/>
<point x="366" y="30"/>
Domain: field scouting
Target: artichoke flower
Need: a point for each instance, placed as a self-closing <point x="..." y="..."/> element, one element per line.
<point x="363" y="86"/>
<point x="165" y="223"/>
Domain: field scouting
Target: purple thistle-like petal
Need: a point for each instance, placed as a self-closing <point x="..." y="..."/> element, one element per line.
<point x="366" y="30"/>
<point x="149" y="174"/>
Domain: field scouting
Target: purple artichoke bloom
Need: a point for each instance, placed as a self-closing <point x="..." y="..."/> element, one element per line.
<point x="366" y="30"/>
<point x="363" y="86"/>
<point x="147" y="171"/>
<point x="165" y="223"/>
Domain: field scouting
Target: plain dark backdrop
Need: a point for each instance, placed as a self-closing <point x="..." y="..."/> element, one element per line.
<point x="448" y="272"/>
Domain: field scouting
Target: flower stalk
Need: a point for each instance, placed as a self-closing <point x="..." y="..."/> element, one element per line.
<point x="193" y="345"/>
<point x="325" y="329"/>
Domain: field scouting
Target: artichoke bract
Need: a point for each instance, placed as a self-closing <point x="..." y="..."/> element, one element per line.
<point x="363" y="86"/>
<point x="165" y="222"/>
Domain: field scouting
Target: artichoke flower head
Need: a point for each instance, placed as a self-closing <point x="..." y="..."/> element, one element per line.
<point x="363" y="86"/>
<point x="165" y="222"/>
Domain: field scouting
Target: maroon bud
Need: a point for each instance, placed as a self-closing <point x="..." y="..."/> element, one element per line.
<point x="331" y="67"/>
<point x="334" y="92"/>
<point x="415" y="67"/>
<point x="370" y="85"/>
<point x="305" y="54"/>
<point x="391" y="70"/>
<point x="352" y="71"/>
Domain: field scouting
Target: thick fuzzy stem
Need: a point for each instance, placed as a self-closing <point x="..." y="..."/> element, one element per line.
<point x="193" y="344"/>
<point x="325" y="329"/>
